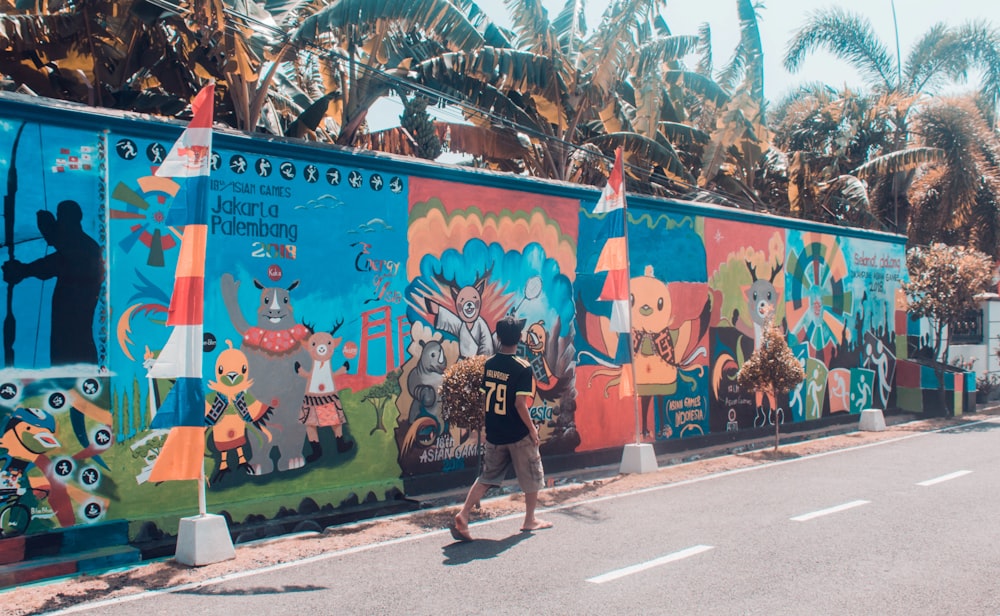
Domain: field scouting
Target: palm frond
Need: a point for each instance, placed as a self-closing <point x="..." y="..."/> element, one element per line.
<point x="649" y="99"/>
<point x="897" y="162"/>
<point x="648" y="150"/>
<point x="533" y="29"/>
<point x="493" y="35"/>
<point x="938" y="56"/>
<point x="698" y="84"/>
<point x="440" y="17"/>
<point x="848" y="36"/>
<point x="21" y="34"/>
<point x="503" y="70"/>
<point x="704" y="51"/>
<point x="982" y="41"/>
<point x="610" y="45"/>
<point x="664" y="50"/>
<point x="738" y="132"/>
<point x="683" y="133"/>
<point x="750" y="45"/>
<point x="449" y="74"/>
<point x="571" y="27"/>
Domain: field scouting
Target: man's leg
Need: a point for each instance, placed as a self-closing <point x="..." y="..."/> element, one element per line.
<point x="476" y="493"/>
<point x="530" y="521"/>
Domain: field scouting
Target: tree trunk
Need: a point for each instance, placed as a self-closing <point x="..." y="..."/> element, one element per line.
<point x="772" y="398"/>
<point x="777" y="427"/>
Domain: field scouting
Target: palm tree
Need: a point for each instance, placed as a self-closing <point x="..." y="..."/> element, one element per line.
<point x="957" y="202"/>
<point x="826" y="134"/>
<point x="941" y="56"/>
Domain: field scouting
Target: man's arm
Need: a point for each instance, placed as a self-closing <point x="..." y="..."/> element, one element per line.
<point x="15" y="271"/>
<point x="525" y="415"/>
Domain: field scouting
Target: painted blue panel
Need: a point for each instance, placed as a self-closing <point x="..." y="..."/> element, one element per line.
<point x="928" y="379"/>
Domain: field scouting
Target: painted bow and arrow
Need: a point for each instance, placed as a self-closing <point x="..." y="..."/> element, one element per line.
<point x="9" y="209"/>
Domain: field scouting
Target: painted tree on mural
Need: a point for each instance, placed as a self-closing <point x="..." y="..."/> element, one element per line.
<point x="381" y="395"/>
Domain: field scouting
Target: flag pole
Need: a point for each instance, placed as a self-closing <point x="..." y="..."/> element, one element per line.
<point x="203" y="539"/>
<point x="202" y="498"/>
<point x="637" y="457"/>
<point x="631" y="346"/>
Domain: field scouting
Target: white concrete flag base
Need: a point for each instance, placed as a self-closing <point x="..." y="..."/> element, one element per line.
<point x="638" y="458"/>
<point x="203" y="540"/>
<point x="872" y="420"/>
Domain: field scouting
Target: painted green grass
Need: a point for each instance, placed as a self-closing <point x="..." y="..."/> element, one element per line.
<point x="371" y="466"/>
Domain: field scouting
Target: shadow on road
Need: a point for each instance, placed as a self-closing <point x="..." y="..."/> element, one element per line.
<point x="979" y="426"/>
<point x="259" y="590"/>
<point x="770" y="455"/>
<point x="460" y="553"/>
<point x="583" y="513"/>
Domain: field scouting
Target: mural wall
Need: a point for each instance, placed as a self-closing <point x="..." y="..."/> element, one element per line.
<point x="339" y="287"/>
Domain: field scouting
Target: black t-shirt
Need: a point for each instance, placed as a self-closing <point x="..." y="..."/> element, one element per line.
<point x="504" y="378"/>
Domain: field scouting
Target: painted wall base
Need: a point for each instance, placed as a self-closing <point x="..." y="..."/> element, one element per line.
<point x="638" y="458"/>
<point x="203" y="540"/>
<point x="872" y="420"/>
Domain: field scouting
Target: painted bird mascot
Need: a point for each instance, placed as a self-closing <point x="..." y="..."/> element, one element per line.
<point x="231" y="407"/>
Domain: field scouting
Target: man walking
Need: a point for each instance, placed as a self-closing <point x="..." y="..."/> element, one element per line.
<point x="511" y="436"/>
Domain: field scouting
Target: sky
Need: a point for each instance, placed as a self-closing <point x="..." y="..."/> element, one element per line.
<point x="778" y="20"/>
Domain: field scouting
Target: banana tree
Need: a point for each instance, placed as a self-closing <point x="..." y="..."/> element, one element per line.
<point x="734" y="157"/>
<point x="550" y="90"/>
<point x="366" y="49"/>
<point x="88" y="52"/>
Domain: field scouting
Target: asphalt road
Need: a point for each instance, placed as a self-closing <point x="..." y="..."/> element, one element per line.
<point x="908" y="526"/>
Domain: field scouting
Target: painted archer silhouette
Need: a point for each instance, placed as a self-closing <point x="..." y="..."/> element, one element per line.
<point x="78" y="267"/>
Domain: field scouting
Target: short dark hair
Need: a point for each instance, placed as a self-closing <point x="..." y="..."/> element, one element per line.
<point x="509" y="330"/>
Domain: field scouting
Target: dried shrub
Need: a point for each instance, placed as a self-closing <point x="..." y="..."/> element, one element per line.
<point x="772" y="368"/>
<point x="463" y="404"/>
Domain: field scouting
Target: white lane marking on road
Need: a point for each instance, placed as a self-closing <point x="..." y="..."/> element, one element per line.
<point x="649" y="564"/>
<point x="822" y="512"/>
<point x="514" y="516"/>
<point x="944" y="478"/>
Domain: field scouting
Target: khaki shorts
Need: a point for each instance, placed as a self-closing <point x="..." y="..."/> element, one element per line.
<point x="522" y="455"/>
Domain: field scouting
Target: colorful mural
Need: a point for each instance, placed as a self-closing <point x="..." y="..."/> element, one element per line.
<point x="55" y="439"/>
<point x="338" y="289"/>
<point x="304" y="321"/>
<point x="475" y="257"/>
<point x="54" y="232"/>
<point x="746" y="264"/>
<point x="671" y="309"/>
